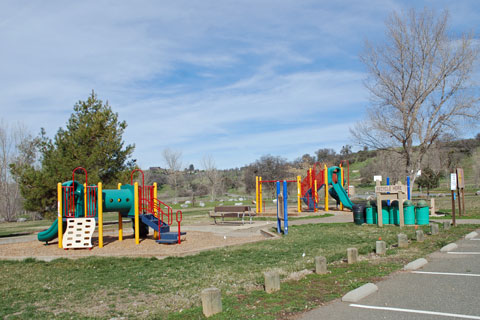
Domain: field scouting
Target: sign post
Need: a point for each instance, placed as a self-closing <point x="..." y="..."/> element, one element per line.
<point x="453" y="187"/>
<point x="461" y="191"/>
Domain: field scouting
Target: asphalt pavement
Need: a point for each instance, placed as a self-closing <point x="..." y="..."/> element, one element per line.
<point x="448" y="287"/>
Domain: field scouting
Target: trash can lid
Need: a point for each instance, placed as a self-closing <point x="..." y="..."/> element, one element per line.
<point x="368" y="204"/>
<point x="407" y="203"/>
<point x="373" y="203"/>
<point x="422" y="204"/>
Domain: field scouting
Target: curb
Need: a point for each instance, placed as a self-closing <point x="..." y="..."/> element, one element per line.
<point x="416" y="264"/>
<point x="471" y="235"/>
<point x="449" y="247"/>
<point x="360" y="293"/>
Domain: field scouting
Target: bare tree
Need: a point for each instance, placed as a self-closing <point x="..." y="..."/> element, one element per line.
<point x="212" y="175"/>
<point x="15" y="147"/>
<point x="173" y="160"/>
<point x="419" y="81"/>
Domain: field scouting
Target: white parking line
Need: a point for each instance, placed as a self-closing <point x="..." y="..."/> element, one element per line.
<point x="443" y="314"/>
<point x="448" y="273"/>
<point x="458" y="252"/>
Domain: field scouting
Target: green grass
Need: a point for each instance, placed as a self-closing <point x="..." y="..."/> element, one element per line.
<point x="151" y="288"/>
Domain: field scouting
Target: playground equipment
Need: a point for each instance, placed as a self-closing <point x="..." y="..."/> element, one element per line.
<point x="79" y="204"/>
<point x="318" y="177"/>
<point x="282" y="208"/>
<point x="259" y="192"/>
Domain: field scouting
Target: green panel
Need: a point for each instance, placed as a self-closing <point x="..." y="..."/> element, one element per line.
<point x="115" y="200"/>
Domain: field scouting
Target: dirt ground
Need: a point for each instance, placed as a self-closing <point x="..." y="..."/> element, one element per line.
<point x="193" y="242"/>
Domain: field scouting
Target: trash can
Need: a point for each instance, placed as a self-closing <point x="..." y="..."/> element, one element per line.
<point x="373" y="203"/>
<point x="368" y="213"/>
<point x="358" y="214"/>
<point x="422" y="212"/>
<point x="385" y="213"/>
<point x="394" y="212"/>
<point x="408" y="212"/>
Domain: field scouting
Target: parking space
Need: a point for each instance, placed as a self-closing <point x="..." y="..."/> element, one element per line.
<point x="447" y="287"/>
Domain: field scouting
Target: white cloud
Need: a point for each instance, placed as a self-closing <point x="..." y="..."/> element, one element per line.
<point x="193" y="75"/>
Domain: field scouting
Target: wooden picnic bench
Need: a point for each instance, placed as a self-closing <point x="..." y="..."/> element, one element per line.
<point x="232" y="212"/>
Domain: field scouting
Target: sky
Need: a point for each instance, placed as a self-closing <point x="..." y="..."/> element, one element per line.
<point x="230" y="80"/>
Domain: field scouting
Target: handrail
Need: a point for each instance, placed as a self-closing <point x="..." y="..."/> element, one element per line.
<point x="86" y="175"/>
<point x="178" y="221"/>
<point x="143" y="176"/>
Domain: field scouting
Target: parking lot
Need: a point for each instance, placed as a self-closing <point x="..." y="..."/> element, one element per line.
<point x="447" y="287"/>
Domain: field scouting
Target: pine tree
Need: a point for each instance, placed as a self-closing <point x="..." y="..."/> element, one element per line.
<point x="92" y="139"/>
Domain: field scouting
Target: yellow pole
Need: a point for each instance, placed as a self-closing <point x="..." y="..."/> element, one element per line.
<point x="299" y="193"/>
<point x="85" y="204"/>
<point x="325" y="178"/>
<point x="137" y="219"/>
<point x="100" y="216"/>
<point x="155" y="209"/>
<point x="256" y="192"/>
<point x="60" y="216"/>
<point x="260" y="200"/>
<point x="315" y="200"/>
<point x="341" y="173"/>
<point x="120" y="221"/>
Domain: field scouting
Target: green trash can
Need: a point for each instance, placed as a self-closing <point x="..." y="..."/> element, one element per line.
<point x="422" y="213"/>
<point x="385" y="213"/>
<point x="394" y="212"/>
<point x="408" y="212"/>
<point x="373" y="204"/>
<point x="368" y="213"/>
<point x="358" y="214"/>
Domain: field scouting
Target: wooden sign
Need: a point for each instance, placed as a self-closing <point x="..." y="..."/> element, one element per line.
<point x="460" y="178"/>
<point x="391" y="189"/>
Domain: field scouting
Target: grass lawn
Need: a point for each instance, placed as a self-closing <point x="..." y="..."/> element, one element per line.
<point x="170" y="288"/>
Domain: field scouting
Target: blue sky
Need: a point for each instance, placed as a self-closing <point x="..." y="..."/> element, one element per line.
<point x="233" y="80"/>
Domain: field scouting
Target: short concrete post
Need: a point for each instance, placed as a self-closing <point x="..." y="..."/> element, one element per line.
<point x="446" y="225"/>
<point x="434" y="228"/>
<point x="272" y="281"/>
<point x="380" y="247"/>
<point x="320" y="265"/>
<point x="402" y="240"/>
<point x="432" y="206"/>
<point x="352" y="255"/>
<point x="420" y="235"/>
<point x="211" y="301"/>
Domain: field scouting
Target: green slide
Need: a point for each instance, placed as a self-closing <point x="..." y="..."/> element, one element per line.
<point x="342" y="195"/>
<point x="49" y="234"/>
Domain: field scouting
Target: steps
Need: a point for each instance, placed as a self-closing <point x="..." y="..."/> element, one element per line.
<point x="165" y="235"/>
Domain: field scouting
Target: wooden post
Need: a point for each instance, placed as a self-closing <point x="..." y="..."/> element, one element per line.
<point x="453" y="187"/>
<point x="379" y="208"/>
<point x="272" y="281"/>
<point x="211" y="301"/>
<point x="320" y="265"/>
